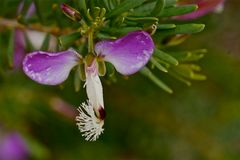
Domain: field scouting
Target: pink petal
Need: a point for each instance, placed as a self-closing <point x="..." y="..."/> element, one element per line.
<point x="50" y="68"/>
<point x="129" y="53"/>
<point x="204" y="7"/>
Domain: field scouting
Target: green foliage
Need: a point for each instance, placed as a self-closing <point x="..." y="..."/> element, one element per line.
<point x="124" y="7"/>
<point x="178" y="10"/>
<point x="68" y="40"/>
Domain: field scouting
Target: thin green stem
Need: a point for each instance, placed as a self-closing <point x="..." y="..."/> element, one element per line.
<point x="90" y="41"/>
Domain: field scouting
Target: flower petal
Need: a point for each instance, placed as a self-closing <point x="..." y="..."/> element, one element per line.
<point x="31" y="10"/>
<point x="50" y="68"/>
<point x="13" y="147"/>
<point x="204" y="7"/>
<point x="94" y="86"/>
<point x="128" y="54"/>
<point x="37" y="38"/>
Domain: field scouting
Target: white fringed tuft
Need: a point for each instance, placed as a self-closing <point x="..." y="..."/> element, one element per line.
<point x="87" y="122"/>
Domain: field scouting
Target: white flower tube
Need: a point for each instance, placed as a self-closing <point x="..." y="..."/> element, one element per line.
<point x="91" y="114"/>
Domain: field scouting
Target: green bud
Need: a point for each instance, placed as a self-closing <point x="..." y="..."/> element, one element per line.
<point x="101" y="68"/>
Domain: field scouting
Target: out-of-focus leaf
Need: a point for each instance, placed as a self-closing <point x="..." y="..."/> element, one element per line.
<point x="81" y="5"/>
<point x="45" y="43"/>
<point x="165" y="26"/>
<point x="189" y="56"/>
<point x="165" y="57"/>
<point x="157" y="10"/>
<point x="194" y="67"/>
<point x="170" y="3"/>
<point x="158" y="65"/>
<point x="113" y="3"/>
<point x="67" y="40"/>
<point x="104" y="4"/>
<point x="187" y="72"/>
<point x="91" y="4"/>
<point x="143" y="10"/>
<point x="124" y="6"/>
<point x="162" y="35"/>
<point x="180" y="78"/>
<point x="122" y="31"/>
<point x="175" y="40"/>
<point x="146" y="72"/>
<point x="178" y="10"/>
<point x="37" y="150"/>
<point x="110" y="72"/>
<point x="181" y="29"/>
<point x="105" y="36"/>
<point x="8" y="6"/>
<point x="38" y="10"/>
<point x="29" y="46"/>
<point x="10" y="49"/>
<point x="142" y="19"/>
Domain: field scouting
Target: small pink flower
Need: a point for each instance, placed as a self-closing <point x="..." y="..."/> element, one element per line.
<point x="204" y="7"/>
<point x="128" y="54"/>
<point x="13" y="147"/>
<point x="35" y="37"/>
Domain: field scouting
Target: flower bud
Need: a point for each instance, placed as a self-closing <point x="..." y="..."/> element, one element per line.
<point x="70" y="12"/>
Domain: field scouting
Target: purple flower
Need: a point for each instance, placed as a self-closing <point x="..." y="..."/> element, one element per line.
<point x="204" y="7"/>
<point x="50" y="68"/>
<point x="35" y="37"/>
<point x="31" y="10"/>
<point x="19" y="39"/>
<point x="128" y="54"/>
<point x="13" y="147"/>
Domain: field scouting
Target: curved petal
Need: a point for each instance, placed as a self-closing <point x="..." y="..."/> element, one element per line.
<point x="50" y="68"/>
<point x="31" y="10"/>
<point x="204" y="7"/>
<point x="128" y="54"/>
<point x="94" y="86"/>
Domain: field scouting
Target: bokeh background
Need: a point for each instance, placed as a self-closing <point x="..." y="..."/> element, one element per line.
<point x="143" y="122"/>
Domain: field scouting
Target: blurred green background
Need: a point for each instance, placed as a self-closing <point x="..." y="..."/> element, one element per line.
<point x="143" y="122"/>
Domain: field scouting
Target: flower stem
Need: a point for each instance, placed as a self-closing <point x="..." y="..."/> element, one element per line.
<point x="90" y="42"/>
<point x="12" y="23"/>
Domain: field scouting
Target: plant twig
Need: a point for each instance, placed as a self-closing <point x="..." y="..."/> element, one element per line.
<point x="12" y="23"/>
